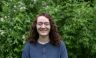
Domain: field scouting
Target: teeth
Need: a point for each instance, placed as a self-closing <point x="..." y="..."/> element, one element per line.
<point x="43" y="30"/>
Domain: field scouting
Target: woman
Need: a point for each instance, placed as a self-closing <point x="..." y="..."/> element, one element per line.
<point x="44" y="40"/>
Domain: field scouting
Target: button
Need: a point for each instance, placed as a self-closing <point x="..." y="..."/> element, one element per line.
<point x="43" y="50"/>
<point x="43" y="46"/>
<point x="43" y="55"/>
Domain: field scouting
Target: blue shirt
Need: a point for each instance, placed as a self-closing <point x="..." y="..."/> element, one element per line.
<point x="44" y="50"/>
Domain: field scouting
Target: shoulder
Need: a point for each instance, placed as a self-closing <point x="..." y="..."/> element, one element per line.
<point x="63" y="47"/>
<point x="26" y="50"/>
<point x="62" y="43"/>
<point x="63" y="50"/>
<point x="27" y="45"/>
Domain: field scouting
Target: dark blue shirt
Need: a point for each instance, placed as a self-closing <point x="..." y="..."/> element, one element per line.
<point x="44" y="50"/>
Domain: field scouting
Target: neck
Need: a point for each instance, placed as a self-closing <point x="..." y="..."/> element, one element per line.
<point x="43" y="39"/>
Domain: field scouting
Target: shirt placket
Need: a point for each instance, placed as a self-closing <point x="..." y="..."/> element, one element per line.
<point x="44" y="51"/>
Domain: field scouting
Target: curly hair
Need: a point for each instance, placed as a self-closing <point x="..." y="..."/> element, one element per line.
<point x="54" y="36"/>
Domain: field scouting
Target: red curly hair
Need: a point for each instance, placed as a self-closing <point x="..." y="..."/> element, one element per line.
<point x="54" y="36"/>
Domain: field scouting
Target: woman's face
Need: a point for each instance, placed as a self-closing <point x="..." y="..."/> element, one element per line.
<point x="43" y="26"/>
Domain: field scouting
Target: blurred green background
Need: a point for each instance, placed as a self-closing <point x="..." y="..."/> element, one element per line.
<point x="75" y="19"/>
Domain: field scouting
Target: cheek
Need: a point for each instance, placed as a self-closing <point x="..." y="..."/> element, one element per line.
<point x="37" y="27"/>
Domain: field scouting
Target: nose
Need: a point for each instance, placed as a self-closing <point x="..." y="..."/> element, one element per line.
<point x="43" y="26"/>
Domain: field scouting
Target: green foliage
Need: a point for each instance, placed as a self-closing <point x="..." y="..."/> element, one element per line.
<point x="75" y="21"/>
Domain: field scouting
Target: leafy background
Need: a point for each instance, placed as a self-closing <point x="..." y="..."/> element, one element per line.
<point x="75" y="19"/>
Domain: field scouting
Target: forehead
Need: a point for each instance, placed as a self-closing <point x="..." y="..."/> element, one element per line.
<point x="42" y="19"/>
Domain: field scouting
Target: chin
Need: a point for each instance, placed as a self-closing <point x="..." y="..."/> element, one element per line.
<point x="43" y="34"/>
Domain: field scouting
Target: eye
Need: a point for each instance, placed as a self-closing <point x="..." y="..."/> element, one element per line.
<point x="39" y="23"/>
<point x="47" y="23"/>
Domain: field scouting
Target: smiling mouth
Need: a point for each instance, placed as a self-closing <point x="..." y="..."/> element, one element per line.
<point x="43" y="31"/>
